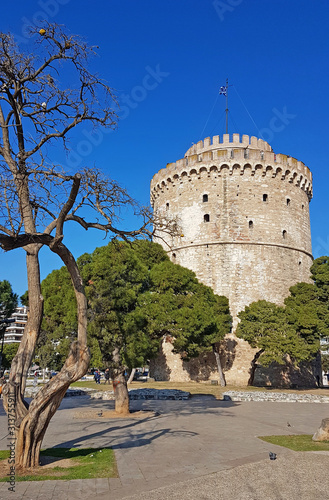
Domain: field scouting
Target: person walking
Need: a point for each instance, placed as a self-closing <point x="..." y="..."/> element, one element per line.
<point x="107" y="376"/>
<point x="35" y="379"/>
<point x="97" y="377"/>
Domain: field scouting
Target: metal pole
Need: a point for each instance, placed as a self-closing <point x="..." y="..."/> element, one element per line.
<point x="226" y="110"/>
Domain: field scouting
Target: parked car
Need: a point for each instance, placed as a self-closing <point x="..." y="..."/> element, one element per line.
<point x="141" y="376"/>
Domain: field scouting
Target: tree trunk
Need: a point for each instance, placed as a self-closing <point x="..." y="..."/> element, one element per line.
<point x="219" y="368"/>
<point x="120" y="385"/>
<point x="131" y="376"/>
<point x="254" y="366"/>
<point x="31" y="422"/>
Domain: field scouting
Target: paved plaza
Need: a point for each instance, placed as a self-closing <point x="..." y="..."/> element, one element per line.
<point x="196" y="449"/>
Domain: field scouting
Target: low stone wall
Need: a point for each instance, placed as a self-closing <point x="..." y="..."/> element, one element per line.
<point x="278" y="397"/>
<point x="154" y="394"/>
<point x="30" y="392"/>
<point x="106" y="395"/>
<point x="162" y="394"/>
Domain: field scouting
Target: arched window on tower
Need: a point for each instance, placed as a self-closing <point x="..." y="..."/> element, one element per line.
<point x="251" y="224"/>
<point x="284" y="234"/>
<point x="206" y="218"/>
<point x="205" y="198"/>
<point x="265" y="197"/>
<point x="167" y="206"/>
<point x="288" y="202"/>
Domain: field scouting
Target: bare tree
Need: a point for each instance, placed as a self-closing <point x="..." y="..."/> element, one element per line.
<point x="38" y="198"/>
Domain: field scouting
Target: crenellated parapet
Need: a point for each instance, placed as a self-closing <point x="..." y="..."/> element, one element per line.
<point x="250" y="156"/>
<point x="228" y="141"/>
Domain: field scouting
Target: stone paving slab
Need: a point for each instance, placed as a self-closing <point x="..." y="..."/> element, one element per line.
<point x="188" y="442"/>
<point x="299" y="476"/>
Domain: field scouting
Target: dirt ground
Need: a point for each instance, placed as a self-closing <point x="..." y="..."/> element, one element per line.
<point x="46" y="466"/>
<point x="101" y="414"/>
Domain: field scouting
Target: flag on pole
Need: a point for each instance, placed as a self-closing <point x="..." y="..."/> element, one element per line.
<point x="223" y="91"/>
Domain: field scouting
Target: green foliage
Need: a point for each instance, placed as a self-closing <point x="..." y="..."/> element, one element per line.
<point x="135" y="296"/>
<point x="57" y="290"/>
<point x="185" y="309"/>
<point x="320" y="275"/>
<point x="302" y="311"/>
<point x="8" y="354"/>
<point x="25" y="299"/>
<point x="87" y="463"/>
<point x="265" y="326"/>
<point x="96" y="358"/>
<point x="8" y="300"/>
<point x="295" y="329"/>
<point x="59" y="326"/>
<point x="8" y="304"/>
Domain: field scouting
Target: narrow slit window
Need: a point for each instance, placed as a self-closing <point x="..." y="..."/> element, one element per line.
<point x="288" y="202"/>
<point x="206" y="218"/>
<point x="167" y="206"/>
<point x="205" y="198"/>
<point x="251" y="224"/>
<point x="265" y="197"/>
<point x="284" y="234"/>
<point x="302" y="207"/>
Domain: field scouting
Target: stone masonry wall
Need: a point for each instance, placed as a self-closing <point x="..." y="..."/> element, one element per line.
<point x="244" y="218"/>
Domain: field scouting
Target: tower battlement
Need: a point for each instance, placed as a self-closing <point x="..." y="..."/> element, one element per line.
<point x="233" y="157"/>
<point x="229" y="141"/>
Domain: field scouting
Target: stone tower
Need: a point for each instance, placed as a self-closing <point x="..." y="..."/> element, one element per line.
<point x="244" y="217"/>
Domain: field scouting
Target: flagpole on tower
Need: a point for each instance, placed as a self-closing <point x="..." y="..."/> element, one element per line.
<point x="226" y="110"/>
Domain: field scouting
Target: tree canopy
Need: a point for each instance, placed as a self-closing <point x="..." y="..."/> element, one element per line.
<point x="266" y="326"/>
<point x="294" y="329"/>
<point x="136" y="295"/>
<point x="8" y="300"/>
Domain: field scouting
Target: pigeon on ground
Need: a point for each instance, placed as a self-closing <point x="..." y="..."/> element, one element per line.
<point x="272" y="455"/>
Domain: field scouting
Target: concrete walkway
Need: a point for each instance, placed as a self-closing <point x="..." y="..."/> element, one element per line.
<point x="196" y="449"/>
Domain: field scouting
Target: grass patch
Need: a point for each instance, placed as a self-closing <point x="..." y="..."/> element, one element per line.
<point x="86" y="463"/>
<point x="301" y="442"/>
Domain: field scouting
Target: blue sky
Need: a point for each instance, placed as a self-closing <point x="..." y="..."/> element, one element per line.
<point x="274" y="52"/>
